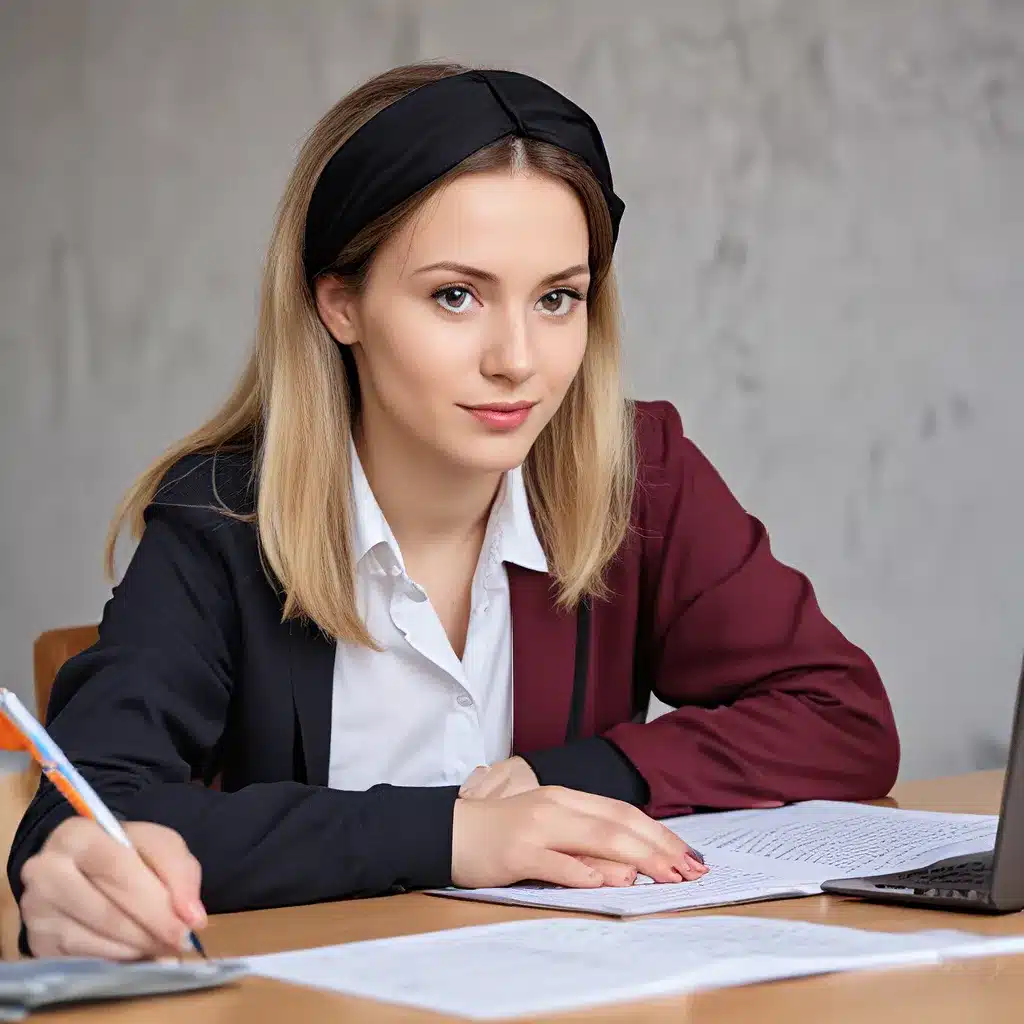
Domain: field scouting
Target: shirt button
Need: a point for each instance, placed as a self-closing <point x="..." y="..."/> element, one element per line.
<point x="464" y="701"/>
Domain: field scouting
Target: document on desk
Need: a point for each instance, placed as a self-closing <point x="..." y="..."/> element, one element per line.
<point x="558" y="964"/>
<point x="772" y="854"/>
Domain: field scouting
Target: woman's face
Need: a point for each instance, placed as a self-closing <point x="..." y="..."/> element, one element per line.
<point x="473" y="320"/>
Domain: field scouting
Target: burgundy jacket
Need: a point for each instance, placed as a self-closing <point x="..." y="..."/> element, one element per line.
<point x="195" y="676"/>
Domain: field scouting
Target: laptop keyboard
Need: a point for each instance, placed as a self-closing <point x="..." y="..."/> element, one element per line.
<point x="969" y="878"/>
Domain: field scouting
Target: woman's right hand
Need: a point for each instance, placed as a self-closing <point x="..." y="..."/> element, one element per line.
<point x="551" y="834"/>
<point x="87" y="895"/>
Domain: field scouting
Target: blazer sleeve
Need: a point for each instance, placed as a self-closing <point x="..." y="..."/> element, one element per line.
<point x="141" y="713"/>
<point x="772" y="702"/>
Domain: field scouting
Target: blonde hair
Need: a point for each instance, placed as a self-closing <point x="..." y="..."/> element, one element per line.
<point x="296" y="399"/>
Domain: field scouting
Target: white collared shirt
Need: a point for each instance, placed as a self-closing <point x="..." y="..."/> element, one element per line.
<point x="413" y="714"/>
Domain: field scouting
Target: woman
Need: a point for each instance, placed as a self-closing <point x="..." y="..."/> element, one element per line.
<point x="407" y="594"/>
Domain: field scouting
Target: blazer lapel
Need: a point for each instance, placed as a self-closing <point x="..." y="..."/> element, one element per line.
<point x="312" y="675"/>
<point x="543" y="657"/>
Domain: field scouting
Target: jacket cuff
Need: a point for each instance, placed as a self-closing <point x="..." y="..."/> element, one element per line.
<point x="418" y="822"/>
<point x="591" y="765"/>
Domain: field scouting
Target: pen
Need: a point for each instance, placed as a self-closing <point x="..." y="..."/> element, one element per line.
<point x="697" y="855"/>
<point x="19" y="730"/>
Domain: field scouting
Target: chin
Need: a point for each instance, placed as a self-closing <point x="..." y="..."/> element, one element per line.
<point x="496" y="454"/>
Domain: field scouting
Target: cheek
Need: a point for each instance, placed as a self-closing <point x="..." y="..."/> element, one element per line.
<point x="416" y="354"/>
<point x="563" y="355"/>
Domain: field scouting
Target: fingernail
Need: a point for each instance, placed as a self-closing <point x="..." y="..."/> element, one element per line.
<point x="196" y="914"/>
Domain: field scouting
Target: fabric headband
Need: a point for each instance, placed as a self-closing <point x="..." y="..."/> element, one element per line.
<point x="426" y="133"/>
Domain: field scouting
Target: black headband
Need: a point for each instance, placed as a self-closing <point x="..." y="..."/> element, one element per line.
<point x="424" y="135"/>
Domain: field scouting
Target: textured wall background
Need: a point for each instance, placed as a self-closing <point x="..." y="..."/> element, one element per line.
<point x="822" y="263"/>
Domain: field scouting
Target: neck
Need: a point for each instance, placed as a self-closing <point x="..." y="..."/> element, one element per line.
<point x="425" y="500"/>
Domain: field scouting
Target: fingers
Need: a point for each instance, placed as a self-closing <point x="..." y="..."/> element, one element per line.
<point x="615" y="831"/>
<point x="661" y="842"/>
<point x="473" y="780"/>
<point x="560" y="869"/>
<point x="122" y="876"/>
<point x="59" y="901"/>
<point x="609" y="841"/>
<point x="62" y="936"/>
<point x="611" y="872"/>
<point x="166" y="854"/>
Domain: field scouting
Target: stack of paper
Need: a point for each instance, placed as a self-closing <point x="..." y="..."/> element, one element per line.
<point x="765" y="855"/>
<point x="533" y="967"/>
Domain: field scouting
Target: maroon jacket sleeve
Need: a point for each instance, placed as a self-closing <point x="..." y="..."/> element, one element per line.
<point x="773" y="703"/>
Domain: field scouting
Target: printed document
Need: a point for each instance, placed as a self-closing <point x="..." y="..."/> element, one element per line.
<point x="558" y="964"/>
<point x="772" y="854"/>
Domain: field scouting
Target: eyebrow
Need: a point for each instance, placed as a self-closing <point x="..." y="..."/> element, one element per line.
<point x="485" y="275"/>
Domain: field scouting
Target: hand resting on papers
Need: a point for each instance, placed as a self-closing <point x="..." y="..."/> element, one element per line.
<point x="552" y="834"/>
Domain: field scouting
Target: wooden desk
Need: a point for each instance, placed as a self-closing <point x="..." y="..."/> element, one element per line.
<point x="988" y="991"/>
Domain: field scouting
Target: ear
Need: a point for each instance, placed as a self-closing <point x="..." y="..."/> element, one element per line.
<point x="338" y="306"/>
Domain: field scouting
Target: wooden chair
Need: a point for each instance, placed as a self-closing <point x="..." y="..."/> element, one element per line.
<point x="51" y="650"/>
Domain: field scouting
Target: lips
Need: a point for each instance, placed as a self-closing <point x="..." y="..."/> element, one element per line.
<point x="501" y="416"/>
<point x="501" y="407"/>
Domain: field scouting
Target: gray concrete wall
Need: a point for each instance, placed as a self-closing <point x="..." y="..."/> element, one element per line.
<point x="822" y="262"/>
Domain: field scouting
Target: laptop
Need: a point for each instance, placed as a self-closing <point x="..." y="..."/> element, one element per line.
<point x="991" y="882"/>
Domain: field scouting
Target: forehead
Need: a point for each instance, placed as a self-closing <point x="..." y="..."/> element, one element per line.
<point x="502" y="222"/>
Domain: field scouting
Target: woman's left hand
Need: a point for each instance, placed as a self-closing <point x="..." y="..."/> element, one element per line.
<point x="506" y="778"/>
<point x="514" y="776"/>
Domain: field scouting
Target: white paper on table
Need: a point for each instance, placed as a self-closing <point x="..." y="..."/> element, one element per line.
<point x="772" y="854"/>
<point x="554" y="964"/>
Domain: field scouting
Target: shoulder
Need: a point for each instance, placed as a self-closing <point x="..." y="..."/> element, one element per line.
<point x="660" y="441"/>
<point x="214" y="485"/>
<point x="672" y="473"/>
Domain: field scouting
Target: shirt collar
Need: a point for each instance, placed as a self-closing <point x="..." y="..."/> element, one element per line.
<point x="510" y="529"/>
<point x="371" y="528"/>
<point x="517" y="538"/>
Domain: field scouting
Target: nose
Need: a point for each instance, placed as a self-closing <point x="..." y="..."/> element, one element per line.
<point x="508" y="353"/>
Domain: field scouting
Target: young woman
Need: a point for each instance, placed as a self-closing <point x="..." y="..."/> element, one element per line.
<point x="397" y="610"/>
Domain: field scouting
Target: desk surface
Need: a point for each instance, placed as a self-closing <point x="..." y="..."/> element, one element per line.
<point x="989" y="990"/>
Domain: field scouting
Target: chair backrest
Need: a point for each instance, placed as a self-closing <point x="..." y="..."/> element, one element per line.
<point x="51" y="650"/>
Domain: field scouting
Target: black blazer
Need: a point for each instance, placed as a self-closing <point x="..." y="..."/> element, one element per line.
<point x="196" y="677"/>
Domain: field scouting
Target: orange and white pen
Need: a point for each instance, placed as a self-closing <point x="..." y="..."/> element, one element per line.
<point x="19" y="730"/>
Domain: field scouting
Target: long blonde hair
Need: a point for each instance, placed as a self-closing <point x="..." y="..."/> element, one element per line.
<point x="296" y="399"/>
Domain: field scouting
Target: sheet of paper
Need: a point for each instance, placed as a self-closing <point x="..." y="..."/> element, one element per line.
<point x="840" y="838"/>
<point x="534" y="967"/>
<point x="731" y="880"/>
<point x="773" y="854"/>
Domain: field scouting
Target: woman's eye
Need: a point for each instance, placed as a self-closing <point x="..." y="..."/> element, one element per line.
<point x="560" y="302"/>
<point x="454" y="300"/>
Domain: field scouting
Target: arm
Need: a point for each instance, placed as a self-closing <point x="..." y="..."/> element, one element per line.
<point x="141" y="714"/>
<point x="773" y="703"/>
